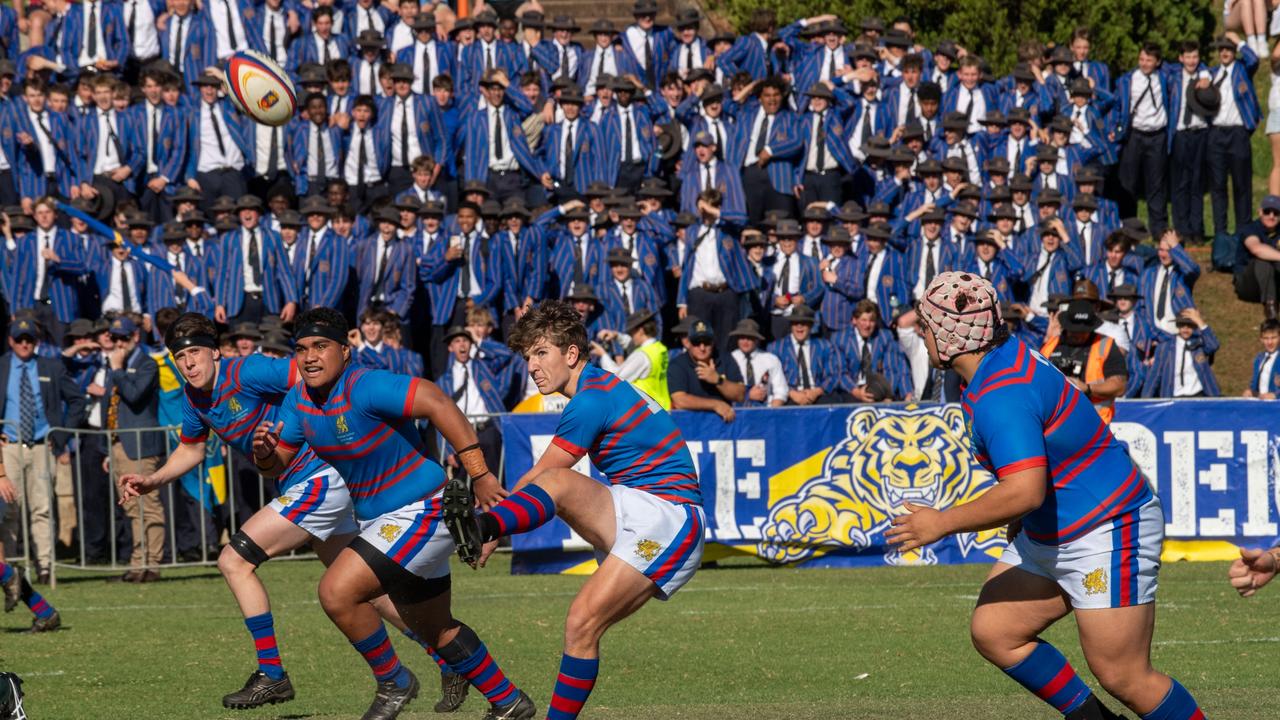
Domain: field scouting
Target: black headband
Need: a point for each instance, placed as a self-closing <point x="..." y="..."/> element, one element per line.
<point x="177" y="345"/>
<point x="318" y="330"/>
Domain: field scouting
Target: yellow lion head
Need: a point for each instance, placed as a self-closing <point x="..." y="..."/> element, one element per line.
<point x="888" y="457"/>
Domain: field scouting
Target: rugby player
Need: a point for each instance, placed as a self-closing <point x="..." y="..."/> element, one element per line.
<point x="230" y="397"/>
<point x="647" y="525"/>
<point x="1087" y="529"/>
<point x="361" y="422"/>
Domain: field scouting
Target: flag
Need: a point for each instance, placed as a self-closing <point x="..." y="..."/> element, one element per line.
<point x="101" y="228"/>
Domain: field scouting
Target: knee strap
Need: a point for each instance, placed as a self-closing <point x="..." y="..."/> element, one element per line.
<point x="246" y="548"/>
<point x="463" y="646"/>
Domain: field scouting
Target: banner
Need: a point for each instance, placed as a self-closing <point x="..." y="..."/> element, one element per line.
<point x="818" y="487"/>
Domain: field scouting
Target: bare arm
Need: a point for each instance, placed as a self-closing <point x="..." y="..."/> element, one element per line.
<point x="183" y="460"/>
<point x="1010" y="499"/>
<point x="1261" y="250"/>
<point x="431" y="404"/>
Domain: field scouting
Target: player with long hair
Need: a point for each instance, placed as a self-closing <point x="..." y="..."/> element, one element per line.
<point x="1086" y="528"/>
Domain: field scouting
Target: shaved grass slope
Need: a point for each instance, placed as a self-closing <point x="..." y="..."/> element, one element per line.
<point x="740" y="641"/>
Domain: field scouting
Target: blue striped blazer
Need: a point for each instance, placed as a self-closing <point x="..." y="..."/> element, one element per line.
<point x="278" y="288"/>
<point x="733" y="260"/>
<point x="1160" y="381"/>
<point x="588" y="152"/>
<point x="329" y="269"/>
<point x="474" y="129"/>
<point x="30" y="166"/>
<point x="132" y="145"/>
<point x="427" y="123"/>
<point x="162" y="291"/>
<point x="239" y="127"/>
<point x="825" y="362"/>
<point x="442" y="277"/>
<point x="785" y="144"/>
<point x="63" y="277"/>
<point x="171" y="142"/>
<point x="611" y="125"/>
<point x="887" y="359"/>
<point x="298" y="134"/>
<point x="200" y="45"/>
<point x="110" y="20"/>
<point x="400" y="275"/>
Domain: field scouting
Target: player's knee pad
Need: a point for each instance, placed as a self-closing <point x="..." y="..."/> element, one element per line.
<point x="463" y="646"/>
<point x="246" y="548"/>
<point x="400" y="585"/>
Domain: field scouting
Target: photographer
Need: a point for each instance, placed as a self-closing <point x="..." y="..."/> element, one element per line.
<point x="1093" y="363"/>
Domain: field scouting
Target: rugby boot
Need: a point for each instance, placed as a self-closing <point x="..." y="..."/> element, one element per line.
<point x="390" y="699"/>
<point x="12" y="591"/>
<point x="1093" y="709"/>
<point x="522" y="709"/>
<point x="453" y="692"/>
<point x="460" y="518"/>
<point x="49" y="624"/>
<point x="259" y="690"/>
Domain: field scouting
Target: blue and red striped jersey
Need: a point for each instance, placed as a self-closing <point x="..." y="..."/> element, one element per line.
<point x="365" y="430"/>
<point x="629" y="437"/>
<point x="1022" y="413"/>
<point x="246" y="392"/>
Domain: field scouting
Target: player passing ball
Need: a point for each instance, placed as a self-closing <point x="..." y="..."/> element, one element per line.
<point x="361" y="422"/>
<point x="230" y="397"/>
<point x="1086" y="528"/>
<point x="647" y="525"/>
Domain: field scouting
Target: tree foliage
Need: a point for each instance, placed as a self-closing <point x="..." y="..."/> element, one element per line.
<point x="994" y="28"/>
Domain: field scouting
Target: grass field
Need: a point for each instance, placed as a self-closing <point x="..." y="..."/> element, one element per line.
<point x="740" y="641"/>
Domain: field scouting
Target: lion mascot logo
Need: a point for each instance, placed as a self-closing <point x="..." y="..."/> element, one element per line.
<point x="888" y="457"/>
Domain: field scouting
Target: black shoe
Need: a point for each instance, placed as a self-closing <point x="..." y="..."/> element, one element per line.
<point x="453" y="692"/>
<point x="259" y="690"/>
<point x="522" y="709"/>
<point x="460" y="518"/>
<point x="49" y="624"/>
<point x="42" y="577"/>
<point x="13" y="591"/>
<point x="390" y="699"/>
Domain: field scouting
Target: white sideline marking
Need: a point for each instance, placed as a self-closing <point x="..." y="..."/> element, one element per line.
<point x="51" y="673"/>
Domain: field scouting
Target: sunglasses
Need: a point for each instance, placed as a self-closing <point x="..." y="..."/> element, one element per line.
<point x="1269" y="211"/>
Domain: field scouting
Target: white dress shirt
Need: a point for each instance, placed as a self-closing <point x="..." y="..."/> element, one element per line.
<point x="627" y="121"/>
<point x="604" y="60"/>
<point x="924" y="262"/>
<point x="1186" y="382"/>
<point x="403" y="106"/>
<point x="977" y="104"/>
<point x="1040" y="288"/>
<point x="351" y="169"/>
<point x="763" y="124"/>
<point x="402" y="36"/>
<point x="508" y="161"/>
<point x="47" y="155"/>
<point x="811" y="162"/>
<point x="262" y="149"/>
<point x="108" y="159"/>
<point x="211" y="156"/>
<point x="229" y="38"/>
<point x="767" y="370"/>
<point x="706" y="261"/>
<point x="433" y="53"/>
<point x="1264" y="375"/>
<point x="96" y="7"/>
<point x="636" y="38"/>
<point x="873" y="277"/>
<point x="1228" y="112"/>
<point x="275" y="18"/>
<point x="471" y="402"/>
<point x="317" y="138"/>
<point x="1195" y="122"/>
<point x="115" y="298"/>
<point x="144" y="42"/>
<point x="1149" y="114"/>
<point x="247" y="236"/>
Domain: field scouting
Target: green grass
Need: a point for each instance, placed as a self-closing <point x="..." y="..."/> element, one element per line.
<point x="741" y="641"/>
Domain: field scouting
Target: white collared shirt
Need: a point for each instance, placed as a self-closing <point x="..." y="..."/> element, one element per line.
<point x="433" y="53"/>
<point x="262" y="144"/>
<point x="1040" y="288"/>
<point x="108" y="159"/>
<point x="211" y="156"/>
<point x="471" y="402"/>
<point x="402" y="36"/>
<point x="98" y="7"/>
<point x="636" y="37"/>
<point x="228" y="38"/>
<point x="824" y="71"/>
<point x="767" y="371"/>
<point x="977" y="104"/>
<point x="1264" y="374"/>
<point x="1195" y="122"/>
<point x="152" y="115"/>
<point x="763" y="123"/>
<point x="331" y="43"/>
<point x="1149" y="115"/>
<point x="1228" y="112"/>
<point x="351" y="169"/>
<point x="318" y="138"/>
<point x="873" y="278"/>
<point x="565" y="127"/>
<point x="792" y="270"/>
<point x="811" y="162"/>
<point x="706" y="260"/>
<point x="508" y="160"/>
<point x="1168" y="322"/>
<point x="924" y="262"/>
<point x="1186" y="382"/>
<point x="404" y="105"/>
<point x="368" y="19"/>
<point x="47" y="155"/>
<point x="246" y="237"/>
<point x="604" y="60"/>
<point x="904" y="104"/>
<point x="115" y="298"/>
<point x="144" y="42"/>
<point x="625" y="113"/>
<point x="275" y="18"/>
<point x="44" y="239"/>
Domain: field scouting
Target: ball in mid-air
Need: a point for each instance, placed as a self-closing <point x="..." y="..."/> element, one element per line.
<point x="260" y="88"/>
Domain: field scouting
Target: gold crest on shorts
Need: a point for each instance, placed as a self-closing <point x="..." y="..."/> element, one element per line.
<point x="388" y="532"/>
<point x="1095" y="583"/>
<point x="648" y="549"/>
<point x="284" y="499"/>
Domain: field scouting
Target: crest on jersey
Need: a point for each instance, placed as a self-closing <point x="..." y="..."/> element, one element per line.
<point x="648" y="549"/>
<point x="234" y="406"/>
<point x="888" y="457"/>
<point x="389" y="532"/>
<point x="1095" y="583"/>
<point x="342" y="424"/>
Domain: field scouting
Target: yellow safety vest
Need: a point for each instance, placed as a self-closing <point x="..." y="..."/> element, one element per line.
<point x="655" y="383"/>
<point x="1093" y="370"/>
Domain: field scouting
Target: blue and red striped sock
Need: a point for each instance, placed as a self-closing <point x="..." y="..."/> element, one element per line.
<point x="382" y="658"/>
<point x="6" y="572"/>
<point x="263" y="629"/>
<point x="482" y="671"/>
<point x="1177" y="705"/>
<point x="1048" y="675"/>
<point x="444" y="666"/>
<point x="520" y="512"/>
<point x="573" y="686"/>
<point x="35" y="601"/>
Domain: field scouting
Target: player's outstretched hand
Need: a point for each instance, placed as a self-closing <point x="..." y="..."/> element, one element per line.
<point x="1254" y="569"/>
<point x="265" y="439"/>
<point x="131" y="486"/>
<point x="918" y="527"/>
<point x="485" y="551"/>
<point x="488" y="492"/>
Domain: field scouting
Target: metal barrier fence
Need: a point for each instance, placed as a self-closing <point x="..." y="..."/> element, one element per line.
<point x="214" y="519"/>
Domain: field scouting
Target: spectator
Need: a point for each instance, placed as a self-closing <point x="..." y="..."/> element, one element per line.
<point x="130" y="401"/>
<point x="1093" y="363"/>
<point x="875" y="369"/>
<point x="1265" y="382"/>
<point x="1166" y="286"/>
<point x="812" y="365"/>
<point x="1229" y="154"/>
<point x="797" y="277"/>
<point x="1182" y="367"/>
<point x="701" y="381"/>
<point x="1258" y="261"/>
<point x="476" y="393"/>
<point x="647" y="359"/>
<point x="1141" y="334"/>
<point x="246" y="338"/>
<point x="762" y="373"/>
<point x="37" y="394"/>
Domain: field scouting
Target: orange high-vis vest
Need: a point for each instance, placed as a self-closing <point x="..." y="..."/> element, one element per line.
<point x="1093" y="370"/>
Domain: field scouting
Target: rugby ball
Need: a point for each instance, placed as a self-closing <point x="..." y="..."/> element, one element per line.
<point x="259" y="88"/>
